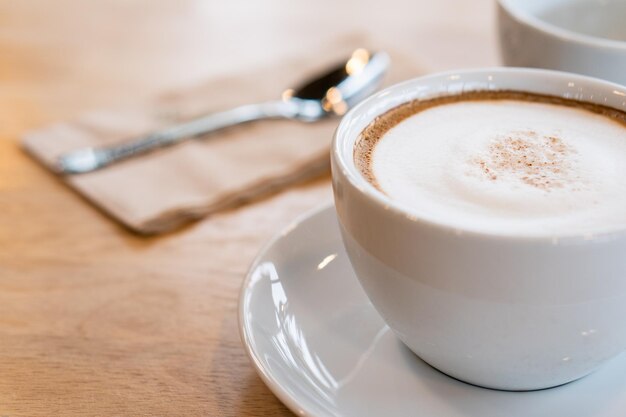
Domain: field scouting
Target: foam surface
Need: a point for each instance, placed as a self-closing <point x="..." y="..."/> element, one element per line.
<point x="507" y="166"/>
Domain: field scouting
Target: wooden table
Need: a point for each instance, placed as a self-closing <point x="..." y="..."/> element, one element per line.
<point x="95" y="321"/>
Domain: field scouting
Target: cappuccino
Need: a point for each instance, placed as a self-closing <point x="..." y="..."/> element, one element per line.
<point x="502" y="162"/>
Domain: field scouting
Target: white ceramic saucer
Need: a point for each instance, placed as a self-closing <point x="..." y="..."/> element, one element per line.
<point x="321" y="347"/>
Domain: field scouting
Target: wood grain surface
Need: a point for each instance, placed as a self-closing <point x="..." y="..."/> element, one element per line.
<point x="95" y="321"/>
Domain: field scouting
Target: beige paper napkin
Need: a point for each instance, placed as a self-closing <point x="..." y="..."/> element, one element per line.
<point x="159" y="191"/>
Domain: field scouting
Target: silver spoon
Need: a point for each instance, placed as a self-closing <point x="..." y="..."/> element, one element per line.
<point x="331" y="93"/>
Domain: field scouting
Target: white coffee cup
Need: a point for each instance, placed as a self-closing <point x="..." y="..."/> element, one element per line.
<point x="506" y="312"/>
<point x="586" y="39"/>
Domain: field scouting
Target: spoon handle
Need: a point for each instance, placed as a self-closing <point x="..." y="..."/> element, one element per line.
<point x="93" y="158"/>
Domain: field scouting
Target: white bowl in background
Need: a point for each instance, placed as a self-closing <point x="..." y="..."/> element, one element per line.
<point x="583" y="36"/>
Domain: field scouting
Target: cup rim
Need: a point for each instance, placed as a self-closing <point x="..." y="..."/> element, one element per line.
<point x="567" y="35"/>
<point x="356" y="179"/>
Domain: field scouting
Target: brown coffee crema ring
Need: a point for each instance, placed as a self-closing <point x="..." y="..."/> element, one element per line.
<point x="369" y="137"/>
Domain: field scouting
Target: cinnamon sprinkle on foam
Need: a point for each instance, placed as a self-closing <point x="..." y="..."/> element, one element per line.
<point x="540" y="161"/>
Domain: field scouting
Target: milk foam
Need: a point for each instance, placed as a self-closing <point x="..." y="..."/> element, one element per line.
<point x="507" y="166"/>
